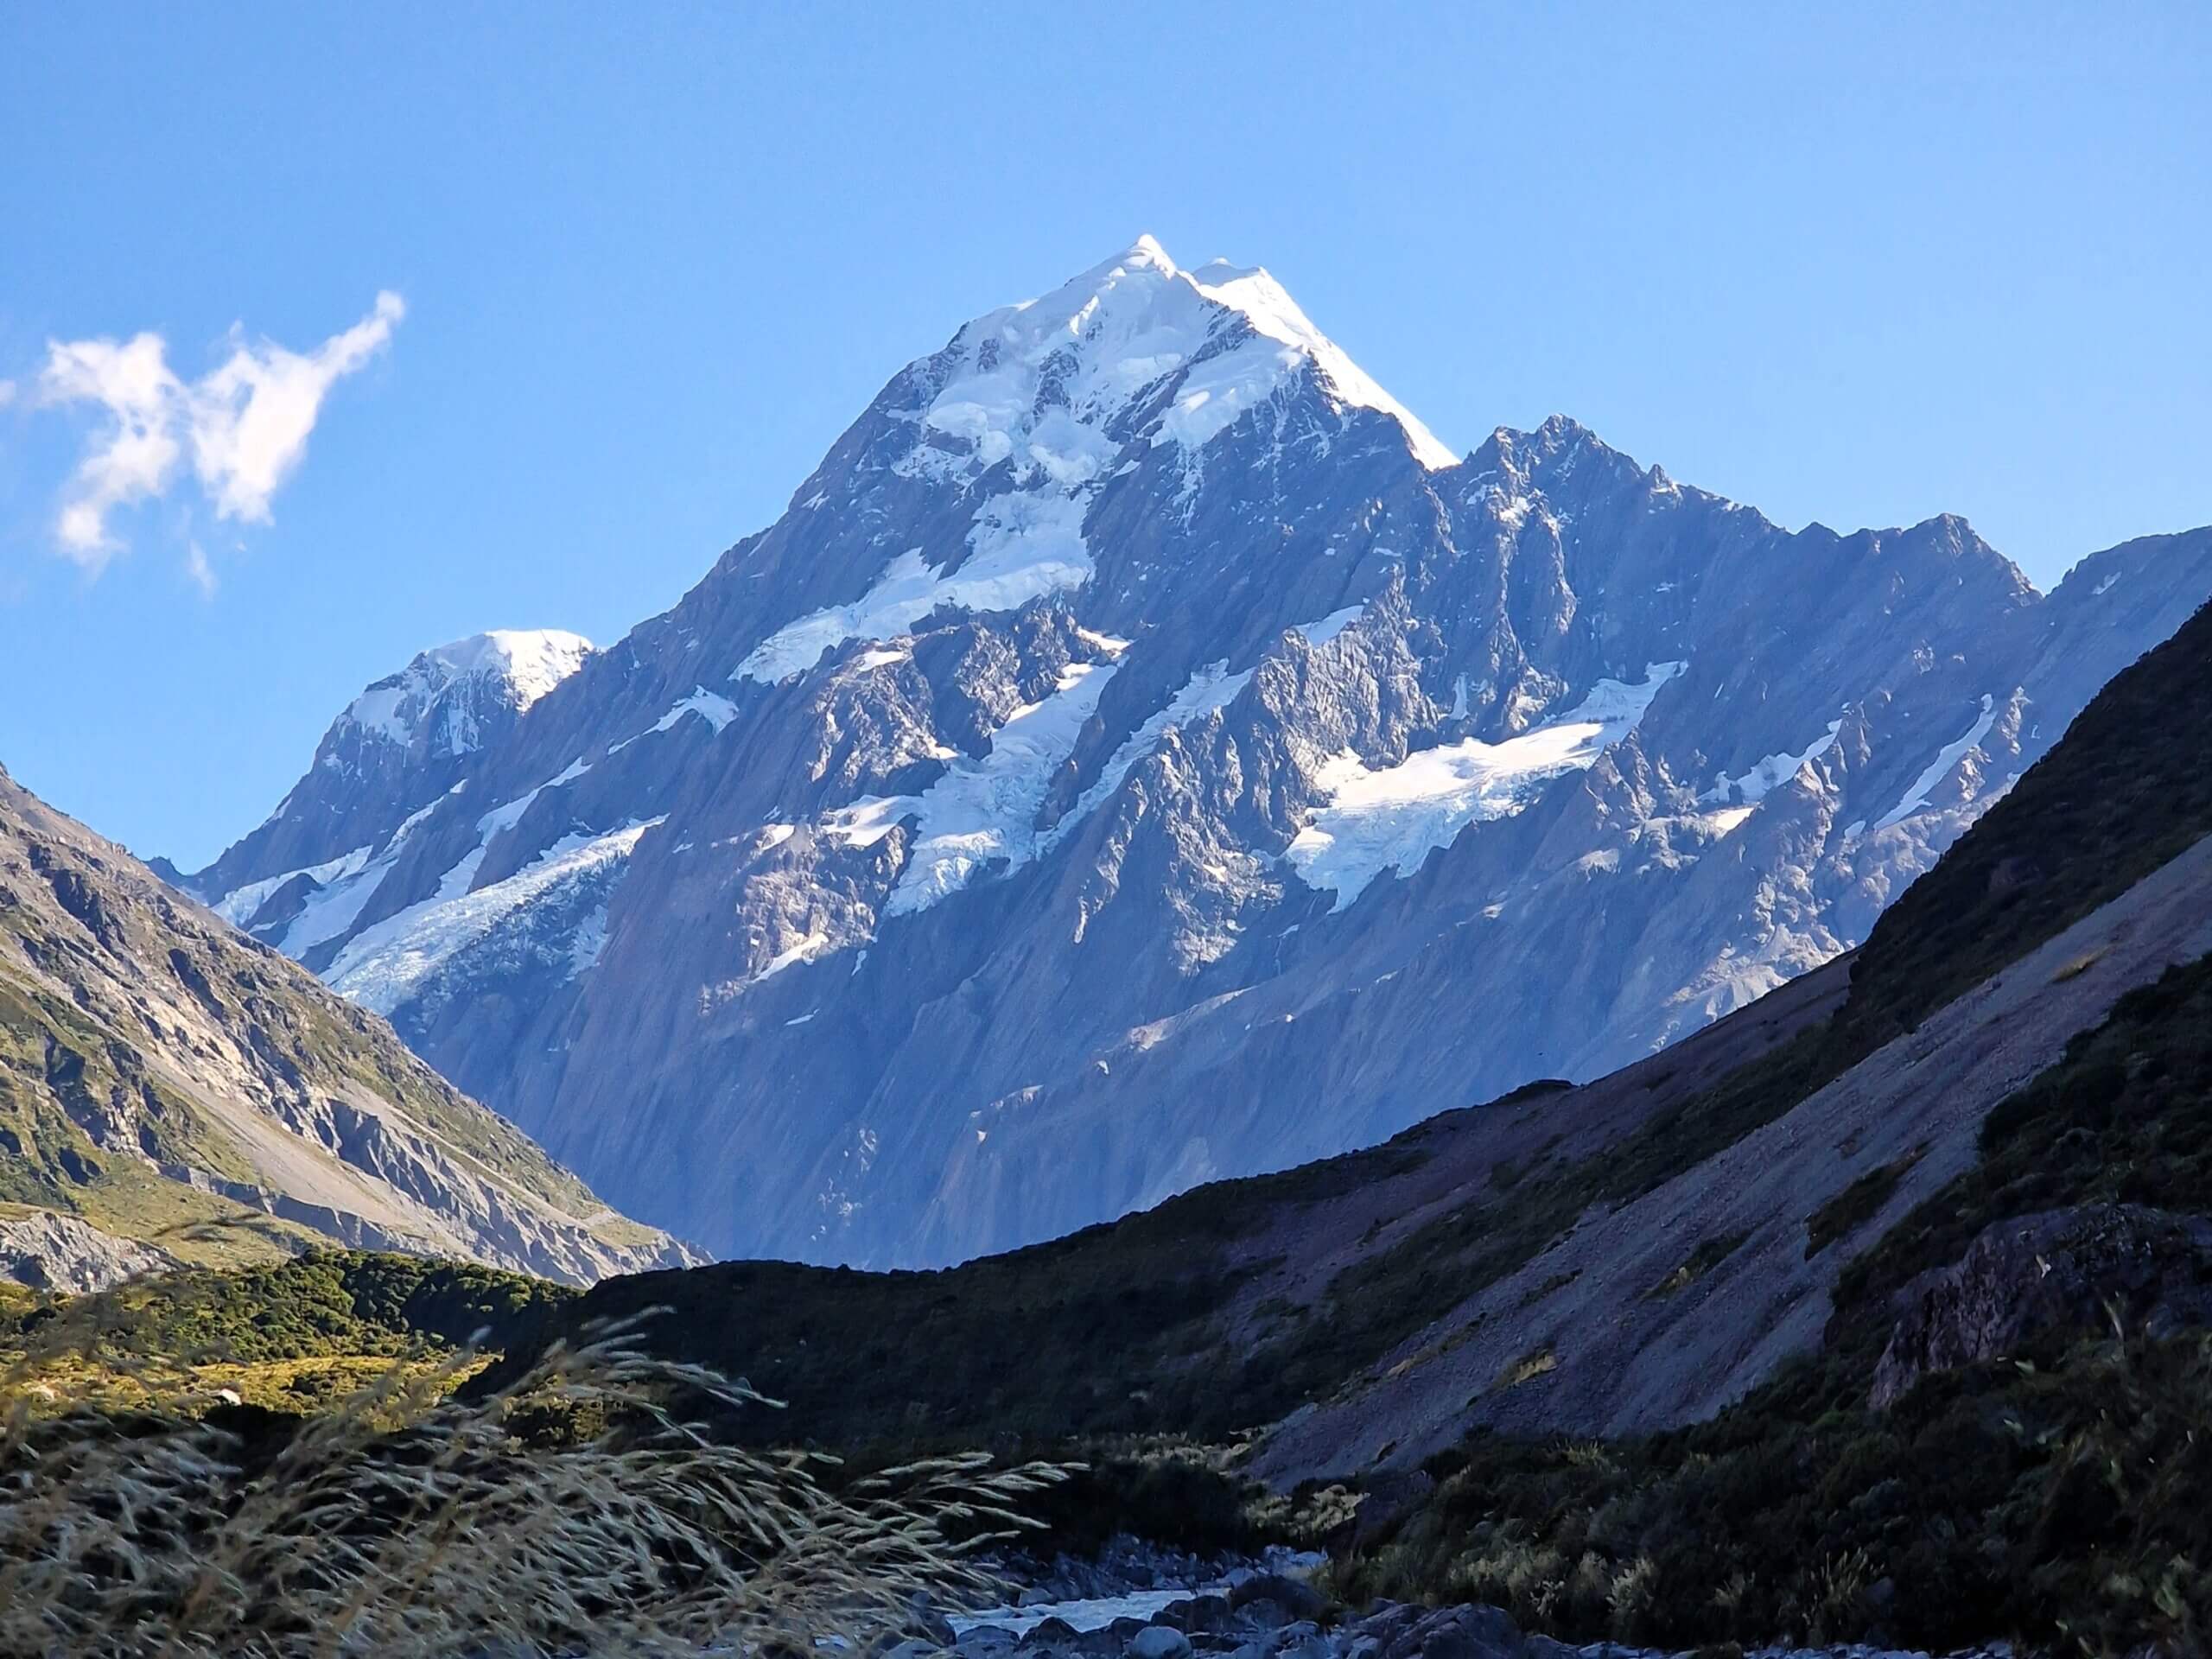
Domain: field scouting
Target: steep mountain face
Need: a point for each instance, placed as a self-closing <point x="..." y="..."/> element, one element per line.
<point x="399" y="746"/>
<point x="1142" y="753"/>
<point x="158" y="1070"/>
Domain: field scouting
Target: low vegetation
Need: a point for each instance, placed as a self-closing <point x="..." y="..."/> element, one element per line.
<point x="2047" y="1494"/>
<point x="326" y="1304"/>
<point x="583" y="1505"/>
<point x="2050" y="1500"/>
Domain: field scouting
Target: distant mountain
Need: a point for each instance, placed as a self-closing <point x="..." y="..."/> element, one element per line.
<point x="394" y="751"/>
<point x="1142" y="753"/>
<point x="157" y="1070"/>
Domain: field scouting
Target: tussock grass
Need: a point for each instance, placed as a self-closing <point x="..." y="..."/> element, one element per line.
<point x="580" y="1508"/>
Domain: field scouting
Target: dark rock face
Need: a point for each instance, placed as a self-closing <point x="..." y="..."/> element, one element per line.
<point x="1142" y="754"/>
<point x="2073" y="1269"/>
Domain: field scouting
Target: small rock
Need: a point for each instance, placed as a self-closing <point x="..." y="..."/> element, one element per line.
<point x="1055" y="1630"/>
<point x="1299" y="1597"/>
<point x="1205" y="1612"/>
<point x="926" y="1620"/>
<point x="1159" y="1642"/>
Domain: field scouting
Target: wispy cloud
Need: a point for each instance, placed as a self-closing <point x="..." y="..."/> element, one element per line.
<point x="245" y="425"/>
<point x="201" y="572"/>
<point x="7" y="393"/>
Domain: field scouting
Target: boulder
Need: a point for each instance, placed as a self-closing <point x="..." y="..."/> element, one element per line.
<point x="1159" y="1642"/>
<point x="1475" y="1631"/>
<point x="2056" y="1270"/>
<point x="1263" y="1613"/>
<point x="1207" y="1612"/>
<point x="1299" y="1598"/>
<point x="927" y="1621"/>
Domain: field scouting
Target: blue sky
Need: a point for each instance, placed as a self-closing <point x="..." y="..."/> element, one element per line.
<point x="645" y="262"/>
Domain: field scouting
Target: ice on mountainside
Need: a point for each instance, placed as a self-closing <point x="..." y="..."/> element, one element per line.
<point x="1392" y="818"/>
<point x="1210" y="687"/>
<point x="1770" y="774"/>
<point x="1106" y="339"/>
<point x="710" y="706"/>
<point x="1320" y="634"/>
<point x="384" y="963"/>
<point x="1940" y="767"/>
<point x="1023" y="547"/>
<point x="983" y="810"/>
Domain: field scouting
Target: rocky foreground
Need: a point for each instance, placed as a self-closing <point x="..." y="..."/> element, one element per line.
<point x="1266" y="1610"/>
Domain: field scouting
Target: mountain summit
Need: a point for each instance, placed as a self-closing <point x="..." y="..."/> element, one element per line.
<point x="1140" y="753"/>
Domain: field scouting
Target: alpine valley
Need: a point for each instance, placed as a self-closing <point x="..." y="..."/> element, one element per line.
<point x="1143" y="754"/>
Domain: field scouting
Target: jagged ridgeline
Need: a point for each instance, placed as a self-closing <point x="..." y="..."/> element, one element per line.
<point x="170" y="1090"/>
<point x="1144" y="754"/>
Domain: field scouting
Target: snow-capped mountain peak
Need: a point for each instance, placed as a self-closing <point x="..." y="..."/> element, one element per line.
<point x="1133" y="349"/>
<point x="511" y="667"/>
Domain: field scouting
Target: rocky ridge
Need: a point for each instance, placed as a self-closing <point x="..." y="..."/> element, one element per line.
<point x="163" y="1079"/>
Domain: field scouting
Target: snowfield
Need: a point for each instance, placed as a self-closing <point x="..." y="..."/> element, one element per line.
<point x="1392" y="818"/>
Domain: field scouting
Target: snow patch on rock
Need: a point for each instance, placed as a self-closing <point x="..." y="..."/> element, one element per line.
<point x="1940" y="767"/>
<point x="1392" y="818"/>
<point x="980" y="810"/>
<point x="1021" y="547"/>
<point x="523" y="664"/>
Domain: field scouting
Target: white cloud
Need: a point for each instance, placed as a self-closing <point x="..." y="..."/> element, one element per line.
<point x="201" y="572"/>
<point x="251" y="418"/>
<point x="246" y="423"/>
<point x="135" y="457"/>
<point x="7" y="393"/>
